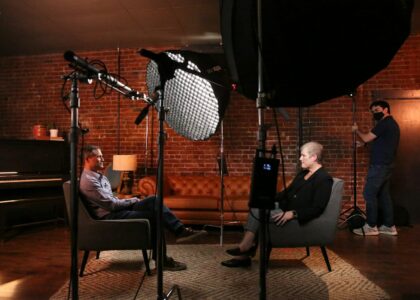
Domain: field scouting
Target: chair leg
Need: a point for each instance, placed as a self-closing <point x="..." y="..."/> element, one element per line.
<point x="308" y="252"/>
<point x="327" y="261"/>
<point x="146" y="261"/>
<point x="84" y="261"/>
<point x="97" y="254"/>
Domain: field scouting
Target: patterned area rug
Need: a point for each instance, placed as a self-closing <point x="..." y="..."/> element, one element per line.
<point x="291" y="275"/>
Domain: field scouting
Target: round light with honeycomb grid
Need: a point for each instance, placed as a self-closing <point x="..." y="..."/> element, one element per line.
<point x="195" y="92"/>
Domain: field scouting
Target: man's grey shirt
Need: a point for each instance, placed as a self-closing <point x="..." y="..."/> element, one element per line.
<point x="96" y="190"/>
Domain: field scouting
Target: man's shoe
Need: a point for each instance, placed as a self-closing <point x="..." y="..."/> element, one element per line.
<point x="388" y="230"/>
<point x="237" y="252"/>
<point x="366" y="230"/>
<point x="237" y="263"/>
<point x="189" y="234"/>
<point x="171" y="264"/>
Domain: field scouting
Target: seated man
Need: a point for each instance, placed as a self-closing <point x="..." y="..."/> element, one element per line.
<point x="96" y="190"/>
<point x="304" y="199"/>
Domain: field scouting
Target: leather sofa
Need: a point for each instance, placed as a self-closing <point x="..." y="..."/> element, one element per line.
<point x="197" y="199"/>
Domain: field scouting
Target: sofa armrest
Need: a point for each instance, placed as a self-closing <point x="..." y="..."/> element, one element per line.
<point x="147" y="186"/>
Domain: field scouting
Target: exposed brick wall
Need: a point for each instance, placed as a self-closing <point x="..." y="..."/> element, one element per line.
<point x="30" y="94"/>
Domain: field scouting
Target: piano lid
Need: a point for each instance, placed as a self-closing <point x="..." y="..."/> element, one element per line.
<point x="34" y="156"/>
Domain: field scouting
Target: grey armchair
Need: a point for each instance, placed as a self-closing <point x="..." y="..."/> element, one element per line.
<point x="318" y="232"/>
<point x="102" y="235"/>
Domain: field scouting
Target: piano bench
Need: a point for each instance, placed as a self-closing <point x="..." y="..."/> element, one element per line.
<point x="13" y="208"/>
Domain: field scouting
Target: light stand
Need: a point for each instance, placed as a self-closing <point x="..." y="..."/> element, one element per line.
<point x="222" y="184"/>
<point x="262" y="136"/>
<point x="222" y="189"/>
<point x="356" y="211"/>
<point x="188" y="83"/>
<point x="166" y="72"/>
<point x="159" y="205"/>
<point x="221" y="161"/>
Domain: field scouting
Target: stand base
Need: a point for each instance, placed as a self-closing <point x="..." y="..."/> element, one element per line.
<point x="171" y="291"/>
<point x="354" y="218"/>
<point x="219" y="228"/>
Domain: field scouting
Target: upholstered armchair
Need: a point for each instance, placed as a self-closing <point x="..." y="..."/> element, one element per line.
<point x="102" y="235"/>
<point x="318" y="232"/>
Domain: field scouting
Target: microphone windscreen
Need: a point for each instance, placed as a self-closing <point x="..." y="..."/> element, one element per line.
<point x="69" y="55"/>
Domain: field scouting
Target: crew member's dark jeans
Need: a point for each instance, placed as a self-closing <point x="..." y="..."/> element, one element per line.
<point x="376" y="194"/>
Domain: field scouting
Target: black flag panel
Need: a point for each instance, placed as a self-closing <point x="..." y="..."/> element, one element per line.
<point x="313" y="50"/>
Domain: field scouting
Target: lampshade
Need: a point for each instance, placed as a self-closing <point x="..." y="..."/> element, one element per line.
<point x="124" y="162"/>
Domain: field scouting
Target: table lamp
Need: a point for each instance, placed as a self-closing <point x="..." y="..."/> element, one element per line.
<point x="127" y="164"/>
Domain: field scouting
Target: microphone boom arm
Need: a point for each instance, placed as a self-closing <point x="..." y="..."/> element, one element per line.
<point x="82" y="65"/>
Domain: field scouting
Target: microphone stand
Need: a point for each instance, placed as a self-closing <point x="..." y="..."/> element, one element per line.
<point x="74" y="191"/>
<point x="84" y="73"/>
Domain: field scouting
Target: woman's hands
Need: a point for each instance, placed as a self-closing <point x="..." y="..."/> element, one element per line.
<point x="282" y="217"/>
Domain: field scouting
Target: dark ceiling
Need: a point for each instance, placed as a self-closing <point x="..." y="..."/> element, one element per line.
<point x="52" y="26"/>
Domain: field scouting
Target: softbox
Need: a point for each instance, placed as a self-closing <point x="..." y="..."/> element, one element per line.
<point x="312" y="50"/>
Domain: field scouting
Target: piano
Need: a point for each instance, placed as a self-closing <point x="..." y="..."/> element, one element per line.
<point x="31" y="176"/>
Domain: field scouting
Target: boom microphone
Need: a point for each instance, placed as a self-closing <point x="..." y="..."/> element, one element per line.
<point x="81" y="63"/>
<point x="101" y="75"/>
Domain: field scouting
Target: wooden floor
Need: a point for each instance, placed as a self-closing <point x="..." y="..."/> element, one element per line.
<point x="35" y="262"/>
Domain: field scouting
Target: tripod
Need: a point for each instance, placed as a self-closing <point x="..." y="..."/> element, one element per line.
<point x="356" y="212"/>
<point x="221" y="161"/>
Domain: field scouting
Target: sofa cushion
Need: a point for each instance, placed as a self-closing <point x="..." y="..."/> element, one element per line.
<point x="192" y="202"/>
<point x="232" y="203"/>
<point x="194" y="185"/>
<point x="236" y="186"/>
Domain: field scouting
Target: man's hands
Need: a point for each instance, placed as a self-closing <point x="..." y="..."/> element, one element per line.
<point x="282" y="217"/>
<point x="365" y="137"/>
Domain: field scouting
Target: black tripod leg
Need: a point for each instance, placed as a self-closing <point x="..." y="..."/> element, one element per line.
<point x="178" y="292"/>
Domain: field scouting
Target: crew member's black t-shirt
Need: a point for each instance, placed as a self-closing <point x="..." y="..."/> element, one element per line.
<point x="384" y="146"/>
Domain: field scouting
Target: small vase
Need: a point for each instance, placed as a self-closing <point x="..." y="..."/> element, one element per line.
<point x="53" y="133"/>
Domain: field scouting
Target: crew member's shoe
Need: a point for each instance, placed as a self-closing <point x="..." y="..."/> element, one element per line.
<point x="366" y="230"/>
<point x="388" y="230"/>
<point x="188" y="234"/>
<point x="171" y="264"/>
<point x="237" y="263"/>
<point x="237" y="252"/>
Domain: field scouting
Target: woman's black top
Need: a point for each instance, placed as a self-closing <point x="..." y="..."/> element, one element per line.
<point x="307" y="197"/>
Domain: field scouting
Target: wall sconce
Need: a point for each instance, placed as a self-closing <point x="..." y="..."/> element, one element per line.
<point x="127" y="164"/>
